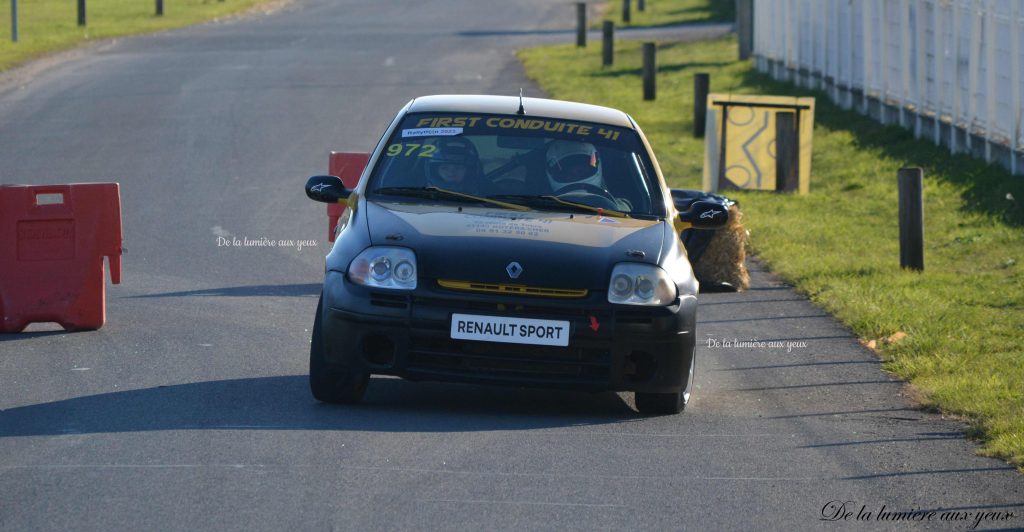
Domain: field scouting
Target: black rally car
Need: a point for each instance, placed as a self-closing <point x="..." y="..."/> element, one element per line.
<point x="512" y="241"/>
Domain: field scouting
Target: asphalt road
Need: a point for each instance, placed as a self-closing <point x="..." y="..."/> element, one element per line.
<point x="190" y="408"/>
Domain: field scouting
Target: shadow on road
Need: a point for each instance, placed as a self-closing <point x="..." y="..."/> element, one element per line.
<point x="28" y="335"/>
<point x="284" y="290"/>
<point x="748" y="301"/>
<point x="664" y="69"/>
<point x="866" y="411"/>
<point x="816" y="385"/>
<point x="747" y="319"/>
<point x="502" y="33"/>
<point x="284" y="403"/>
<point x="921" y="437"/>
<point x="931" y="472"/>
<point x="803" y="365"/>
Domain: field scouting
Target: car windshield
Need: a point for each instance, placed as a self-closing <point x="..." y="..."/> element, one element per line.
<point x="540" y="163"/>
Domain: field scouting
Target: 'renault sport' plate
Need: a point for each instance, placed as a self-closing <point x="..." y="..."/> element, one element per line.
<point x="510" y="330"/>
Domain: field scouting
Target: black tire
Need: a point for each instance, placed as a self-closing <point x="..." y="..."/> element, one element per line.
<point x="666" y="403"/>
<point x="327" y="384"/>
<point x="659" y="403"/>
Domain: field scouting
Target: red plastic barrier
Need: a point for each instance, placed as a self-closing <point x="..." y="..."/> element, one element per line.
<point x="348" y="166"/>
<point x="52" y="242"/>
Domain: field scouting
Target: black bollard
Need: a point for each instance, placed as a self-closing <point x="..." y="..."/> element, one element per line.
<point x="911" y="198"/>
<point x="787" y="153"/>
<point x="649" y="71"/>
<point x="701" y="86"/>
<point x="581" y="24"/>
<point x="608" y="43"/>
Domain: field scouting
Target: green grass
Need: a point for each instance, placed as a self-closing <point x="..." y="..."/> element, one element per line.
<point x="46" y="26"/>
<point x="963" y="316"/>
<point x="666" y="12"/>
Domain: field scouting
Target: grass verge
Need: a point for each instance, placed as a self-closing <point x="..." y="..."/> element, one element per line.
<point x="46" y="26"/>
<point x="668" y="12"/>
<point x="962" y="317"/>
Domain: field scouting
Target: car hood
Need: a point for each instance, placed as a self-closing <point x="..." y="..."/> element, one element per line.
<point x="554" y="249"/>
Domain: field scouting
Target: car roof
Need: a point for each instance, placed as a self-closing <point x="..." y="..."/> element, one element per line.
<point x="508" y="105"/>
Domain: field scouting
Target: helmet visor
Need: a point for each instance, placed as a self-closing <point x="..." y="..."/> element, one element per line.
<point x="572" y="168"/>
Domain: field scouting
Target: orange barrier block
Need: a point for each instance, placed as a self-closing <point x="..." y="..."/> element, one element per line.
<point x="52" y="242"/>
<point x="348" y="166"/>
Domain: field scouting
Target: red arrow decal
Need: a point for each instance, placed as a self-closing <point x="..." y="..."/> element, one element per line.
<point x="594" y="324"/>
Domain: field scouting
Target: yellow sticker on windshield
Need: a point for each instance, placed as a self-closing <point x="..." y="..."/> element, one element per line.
<point x="432" y="132"/>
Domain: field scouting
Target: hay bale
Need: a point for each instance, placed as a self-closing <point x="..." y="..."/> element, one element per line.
<point x="724" y="260"/>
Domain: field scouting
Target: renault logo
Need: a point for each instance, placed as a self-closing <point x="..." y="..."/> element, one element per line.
<point x="514" y="269"/>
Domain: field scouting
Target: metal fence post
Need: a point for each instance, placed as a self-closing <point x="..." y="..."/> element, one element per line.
<point x="910" y="181"/>
<point x="939" y="38"/>
<point x="625" y="11"/>
<point x="581" y="24"/>
<point x="649" y="71"/>
<point x="607" y="43"/>
<point x="159" y="8"/>
<point x="973" y="72"/>
<point x="884" y="53"/>
<point x="958" y="75"/>
<point x="903" y="28"/>
<point x="701" y="85"/>
<point x="640" y="5"/>
<point x="991" y="94"/>
<point x="1015" y="105"/>
<point x="81" y="12"/>
<point x="867" y="54"/>
<point x="787" y="153"/>
<point x="921" y="58"/>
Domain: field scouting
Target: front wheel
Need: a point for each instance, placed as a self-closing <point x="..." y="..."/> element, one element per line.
<point x="327" y="384"/>
<point x="660" y="403"/>
<point x="666" y="403"/>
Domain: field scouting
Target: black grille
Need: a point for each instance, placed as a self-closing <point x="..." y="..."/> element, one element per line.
<point x="486" y="359"/>
<point x="634" y="316"/>
<point x="491" y="307"/>
<point x="389" y="300"/>
<point x="454" y="304"/>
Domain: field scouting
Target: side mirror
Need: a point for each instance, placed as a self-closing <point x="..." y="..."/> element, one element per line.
<point x="326" y="189"/>
<point x="706" y="215"/>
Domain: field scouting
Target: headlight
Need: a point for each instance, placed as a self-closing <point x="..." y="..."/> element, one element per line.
<point x="635" y="283"/>
<point x="384" y="267"/>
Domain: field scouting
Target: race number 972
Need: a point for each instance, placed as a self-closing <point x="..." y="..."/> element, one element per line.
<point x="411" y="149"/>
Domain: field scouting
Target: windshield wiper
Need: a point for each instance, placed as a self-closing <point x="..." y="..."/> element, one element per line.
<point x="435" y="192"/>
<point x="552" y="201"/>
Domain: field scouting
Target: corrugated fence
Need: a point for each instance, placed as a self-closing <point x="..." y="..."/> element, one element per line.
<point x="948" y="69"/>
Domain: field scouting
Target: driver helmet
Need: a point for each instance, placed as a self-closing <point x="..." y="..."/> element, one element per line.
<point x="453" y="163"/>
<point x="570" y="162"/>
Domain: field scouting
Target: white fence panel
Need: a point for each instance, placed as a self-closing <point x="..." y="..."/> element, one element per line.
<point x="950" y="69"/>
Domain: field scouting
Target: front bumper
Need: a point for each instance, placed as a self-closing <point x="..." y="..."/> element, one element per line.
<point x="407" y="334"/>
